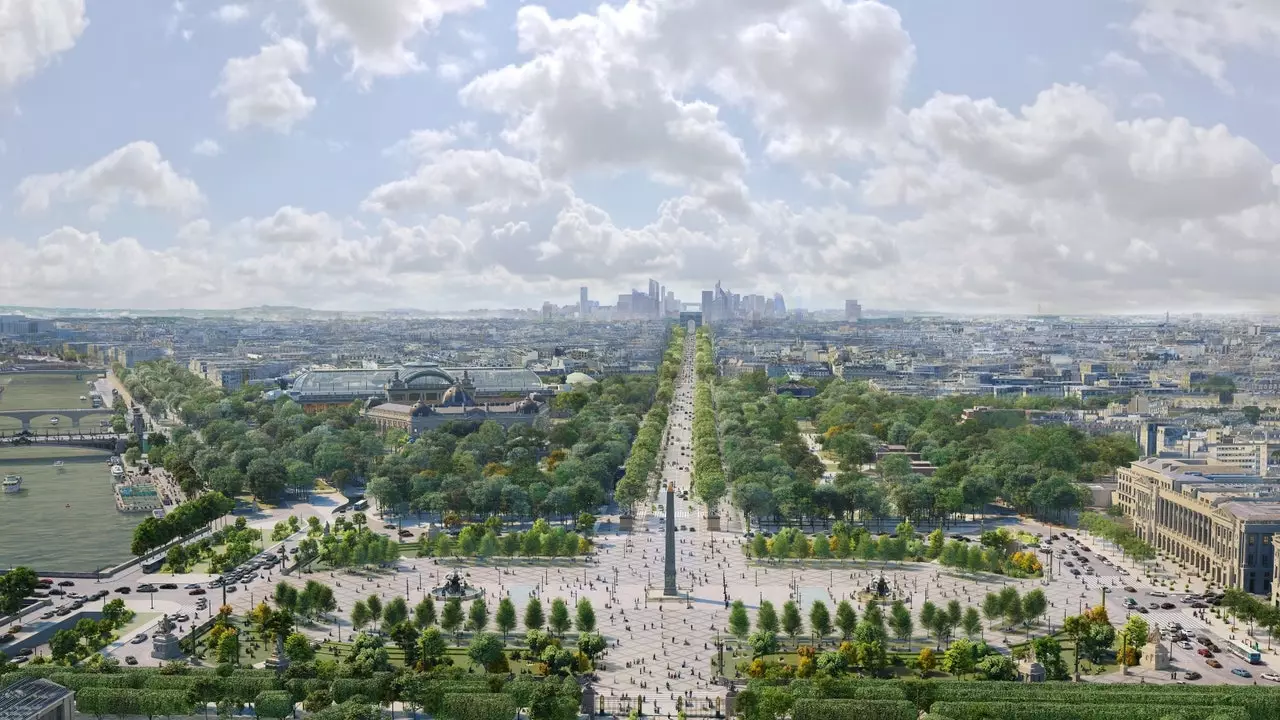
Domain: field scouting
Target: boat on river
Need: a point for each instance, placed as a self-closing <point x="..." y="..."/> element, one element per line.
<point x="60" y="466"/>
<point x="117" y="472"/>
<point x="12" y="484"/>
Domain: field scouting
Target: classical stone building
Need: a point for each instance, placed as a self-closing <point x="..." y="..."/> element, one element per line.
<point x="1214" y="519"/>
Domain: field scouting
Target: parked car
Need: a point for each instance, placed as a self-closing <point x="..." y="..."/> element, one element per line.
<point x="1142" y="610"/>
<point x="1241" y="672"/>
<point x="197" y="591"/>
<point x="65" y="583"/>
<point x="1205" y="652"/>
<point x="1271" y="676"/>
<point x="1154" y="605"/>
<point x="1129" y="589"/>
<point x="1158" y="593"/>
<point x="139" y="639"/>
<point x="1193" y="675"/>
<point x="130" y="660"/>
<point x="1213" y="663"/>
<point x="169" y="586"/>
<point x="1199" y="605"/>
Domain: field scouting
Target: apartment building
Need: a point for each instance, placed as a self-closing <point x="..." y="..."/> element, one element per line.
<point x="1213" y="518"/>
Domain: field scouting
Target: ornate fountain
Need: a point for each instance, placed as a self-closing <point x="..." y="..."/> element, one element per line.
<point x="455" y="587"/>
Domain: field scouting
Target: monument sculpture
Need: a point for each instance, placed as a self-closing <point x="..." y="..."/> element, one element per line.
<point x="669" y="570"/>
<point x="164" y="644"/>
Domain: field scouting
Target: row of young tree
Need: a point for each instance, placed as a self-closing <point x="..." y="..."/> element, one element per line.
<point x="183" y="520"/>
<point x="709" y="483"/>
<point x="479" y="541"/>
<point x="1119" y="532"/>
<point x="634" y="487"/>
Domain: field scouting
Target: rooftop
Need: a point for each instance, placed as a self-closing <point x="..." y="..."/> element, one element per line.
<point x="28" y="697"/>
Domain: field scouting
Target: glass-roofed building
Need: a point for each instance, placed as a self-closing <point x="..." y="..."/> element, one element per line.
<point x="424" y="383"/>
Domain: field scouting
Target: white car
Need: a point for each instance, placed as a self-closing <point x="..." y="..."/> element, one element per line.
<point x="1185" y="645"/>
<point x="1271" y="676"/>
<point x="1158" y="593"/>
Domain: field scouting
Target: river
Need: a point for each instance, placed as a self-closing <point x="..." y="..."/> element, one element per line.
<point x="63" y="519"/>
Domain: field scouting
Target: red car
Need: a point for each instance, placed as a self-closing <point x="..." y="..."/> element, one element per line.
<point x="1205" y="652"/>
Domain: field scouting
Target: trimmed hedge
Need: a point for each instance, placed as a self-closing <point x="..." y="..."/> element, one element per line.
<point x="1070" y="711"/>
<point x="808" y="709"/>
<point x="477" y="706"/>
<point x="121" y="701"/>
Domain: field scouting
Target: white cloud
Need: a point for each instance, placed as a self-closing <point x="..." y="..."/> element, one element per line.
<point x="33" y="33"/>
<point x="260" y="89"/>
<point x="135" y="173"/>
<point x="1147" y="101"/>
<point x="629" y="87"/>
<point x="1121" y="63"/>
<point x="231" y="14"/>
<point x="377" y="33"/>
<point x="71" y="263"/>
<point x="423" y="144"/>
<point x="207" y="147"/>
<point x="1203" y="34"/>
<point x="293" y="225"/>
<point x="477" y="179"/>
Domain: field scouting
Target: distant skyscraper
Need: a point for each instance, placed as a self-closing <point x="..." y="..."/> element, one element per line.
<point x="852" y="311"/>
<point x="708" y="299"/>
<point x="584" y="306"/>
<point x="779" y="306"/>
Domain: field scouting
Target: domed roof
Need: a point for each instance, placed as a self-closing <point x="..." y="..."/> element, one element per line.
<point x="579" y="378"/>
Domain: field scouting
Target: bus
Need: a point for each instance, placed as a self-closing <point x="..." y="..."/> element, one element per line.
<point x="1245" y="651"/>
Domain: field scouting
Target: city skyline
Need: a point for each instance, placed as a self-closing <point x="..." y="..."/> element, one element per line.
<point x="1077" y="159"/>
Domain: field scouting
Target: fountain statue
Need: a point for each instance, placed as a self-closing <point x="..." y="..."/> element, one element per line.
<point x="455" y="587"/>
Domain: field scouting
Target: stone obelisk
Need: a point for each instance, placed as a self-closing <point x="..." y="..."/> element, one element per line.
<point x="669" y="569"/>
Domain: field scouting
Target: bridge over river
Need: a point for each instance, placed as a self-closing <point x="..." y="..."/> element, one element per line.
<point x="109" y="441"/>
<point x="75" y="415"/>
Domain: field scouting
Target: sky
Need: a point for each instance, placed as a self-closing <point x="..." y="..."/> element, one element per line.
<point x="987" y="155"/>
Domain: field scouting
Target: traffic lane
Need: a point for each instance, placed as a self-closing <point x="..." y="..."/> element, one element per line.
<point x="1184" y="660"/>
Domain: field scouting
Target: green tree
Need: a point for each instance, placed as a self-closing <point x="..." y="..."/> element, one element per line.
<point x="792" y="623"/>
<point x="486" y="650"/>
<point x="396" y="612"/>
<point x="374" y="603"/>
<point x="506" y="616"/>
<point x="739" y="622"/>
<point x="972" y="622"/>
<point x="424" y="613"/>
<point x="900" y="622"/>
<point x="846" y="619"/>
<point x="559" y="617"/>
<point x="478" y="615"/>
<point x="360" y="614"/>
<point x="763" y="642"/>
<point x="298" y="648"/>
<point x="767" y="617"/>
<point x="534" y="618"/>
<point x="819" y="621"/>
<point x="451" y="617"/>
<point x="585" y="620"/>
<point x="431" y="646"/>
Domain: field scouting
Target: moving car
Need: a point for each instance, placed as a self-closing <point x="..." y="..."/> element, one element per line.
<point x="139" y="639"/>
<point x="1167" y="606"/>
<point x="197" y="591"/>
<point x="1271" y="676"/>
<point x="1241" y="672"/>
<point x="1193" y="675"/>
<point x="130" y="660"/>
<point x="1213" y="663"/>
